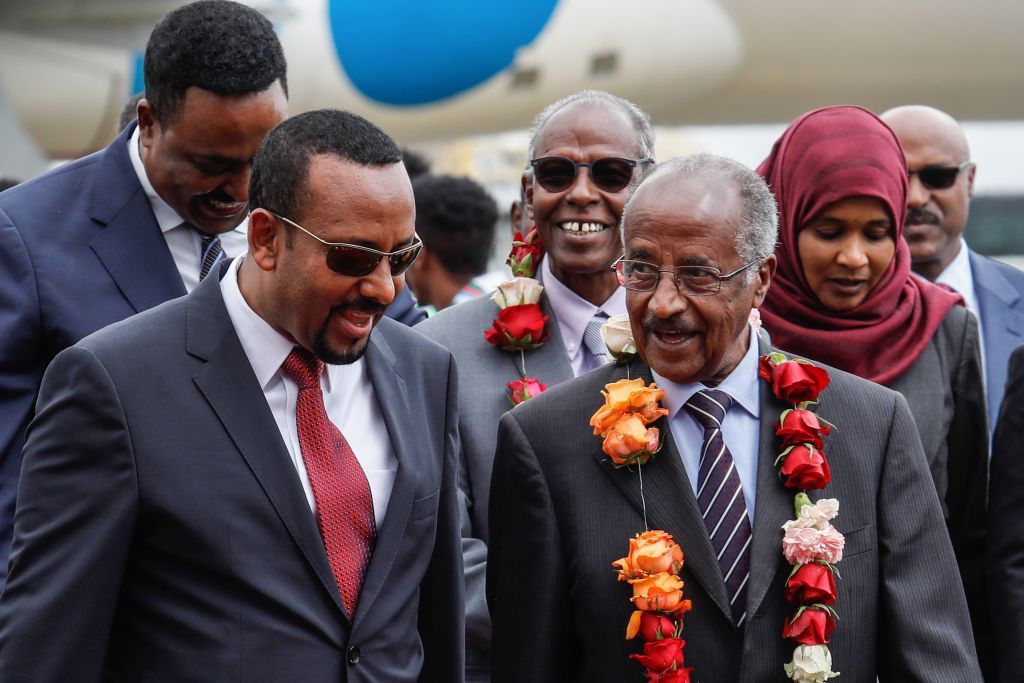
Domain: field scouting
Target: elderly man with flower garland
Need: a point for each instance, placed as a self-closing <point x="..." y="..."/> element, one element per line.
<point x="542" y="327"/>
<point x="784" y="507"/>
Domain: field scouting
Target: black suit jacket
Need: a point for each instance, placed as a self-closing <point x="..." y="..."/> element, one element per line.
<point x="162" y="533"/>
<point x="1006" y="528"/>
<point x="79" y="249"/>
<point x="561" y="514"/>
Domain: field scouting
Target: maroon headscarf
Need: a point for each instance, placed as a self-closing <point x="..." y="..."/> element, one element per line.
<point x="823" y="157"/>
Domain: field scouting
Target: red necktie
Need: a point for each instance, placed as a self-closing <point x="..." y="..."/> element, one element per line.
<point x="344" y="503"/>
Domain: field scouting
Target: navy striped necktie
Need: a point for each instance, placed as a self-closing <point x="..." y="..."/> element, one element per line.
<point x="210" y="254"/>
<point x="720" y="498"/>
<point x="594" y="342"/>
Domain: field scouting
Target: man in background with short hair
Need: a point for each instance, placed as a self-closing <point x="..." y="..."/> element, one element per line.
<point x="455" y="218"/>
<point x="939" y="193"/>
<point x="142" y="221"/>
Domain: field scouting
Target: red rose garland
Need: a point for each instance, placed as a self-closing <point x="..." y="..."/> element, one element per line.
<point x="810" y="543"/>
<point x="521" y="324"/>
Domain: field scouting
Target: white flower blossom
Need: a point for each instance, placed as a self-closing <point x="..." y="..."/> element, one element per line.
<point x="811" y="664"/>
<point x="618" y="336"/>
<point x="517" y="291"/>
<point x="815" y="516"/>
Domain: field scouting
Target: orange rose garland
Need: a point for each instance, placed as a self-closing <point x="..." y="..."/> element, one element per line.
<point x="623" y="421"/>
<point x="521" y="324"/>
<point x="810" y="543"/>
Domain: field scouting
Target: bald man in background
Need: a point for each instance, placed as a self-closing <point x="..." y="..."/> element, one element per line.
<point x="938" y="199"/>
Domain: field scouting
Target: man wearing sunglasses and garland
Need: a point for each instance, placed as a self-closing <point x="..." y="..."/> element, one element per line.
<point x="586" y="152"/>
<point x="256" y="481"/>
<point x="938" y="197"/>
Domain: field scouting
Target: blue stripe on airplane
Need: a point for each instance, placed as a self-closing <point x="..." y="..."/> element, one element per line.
<point x="412" y="52"/>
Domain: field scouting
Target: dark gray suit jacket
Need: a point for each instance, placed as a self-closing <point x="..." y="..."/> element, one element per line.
<point x="485" y="370"/>
<point x="162" y="533"/>
<point x="561" y="514"/>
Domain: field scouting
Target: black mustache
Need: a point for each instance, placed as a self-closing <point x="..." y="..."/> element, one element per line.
<point x="918" y="216"/>
<point x="221" y="196"/>
<point x="674" y="324"/>
<point x="368" y="306"/>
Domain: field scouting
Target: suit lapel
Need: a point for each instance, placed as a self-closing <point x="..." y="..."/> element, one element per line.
<point x="229" y="385"/>
<point x="773" y="503"/>
<point x="670" y="502"/>
<point x="549" y="363"/>
<point x="402" y="423"/>
<point x="131" y="246"/>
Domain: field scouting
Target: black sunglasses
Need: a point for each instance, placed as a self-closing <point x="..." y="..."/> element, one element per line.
<point x="611" y="174"/>
<point x="939" y="177"/>
<point x="354" y="260"/>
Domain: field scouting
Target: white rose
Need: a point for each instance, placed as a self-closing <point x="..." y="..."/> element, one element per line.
<point x="811" y="664"/>
<point x="816" y="516"/>
<point x="517" y="291"/>
<point x="618" y="336"/>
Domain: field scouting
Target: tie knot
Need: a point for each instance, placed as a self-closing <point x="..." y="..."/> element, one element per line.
<point x="303" y="368"/>
<point x="592" y="336"/>
<point x="708" y="407"/>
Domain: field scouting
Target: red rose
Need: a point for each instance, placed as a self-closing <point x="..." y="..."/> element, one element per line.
<point x="812" y="582"/>
<point x="805" y="468"/>
<point x="792" y="381"/>
<point x="526" y="254"/>
<point x="675" y="676"/>
<point x="525" y="389"/>
<point x="812" y="627"/>
<point x="655" y="626"/>
<point x="518" y="327"/>
<point x="801" y="426"/>
<point x="661" y="655"/>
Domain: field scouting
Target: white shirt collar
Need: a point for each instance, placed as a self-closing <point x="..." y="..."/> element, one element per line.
<point x="166" y="217"/>
<point x="572" y="311"/>
<point x="742" y="384"/>
<point x="265" y="347"/>
<point x="959" y="275"/>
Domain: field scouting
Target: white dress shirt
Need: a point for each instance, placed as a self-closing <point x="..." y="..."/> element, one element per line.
<point x="184" y="242"/>
<point x="349" y="398"/>
<point x="573" y="312"/>
<point x="741" y="428"/>
<point x="960" y="277"/>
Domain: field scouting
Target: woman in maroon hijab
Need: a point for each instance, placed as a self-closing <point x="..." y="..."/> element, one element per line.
<point x="843" y="294"/>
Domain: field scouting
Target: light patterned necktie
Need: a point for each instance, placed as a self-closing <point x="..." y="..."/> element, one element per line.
<point x="593" y="341"/>
<point x="720" y="498"/>
<point x="344" y="502"/>
<point x="210" y="254"/>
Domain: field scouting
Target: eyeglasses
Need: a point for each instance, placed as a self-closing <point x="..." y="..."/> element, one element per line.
<point x="611" y="174"/>
<point x="641" y="276"/>
<point x="939" y="177"/>
<point x="354" y="260"/>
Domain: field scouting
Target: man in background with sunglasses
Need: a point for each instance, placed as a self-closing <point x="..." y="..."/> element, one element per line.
<point x="939" y="193"/>
<point x="586" y="152"/>
<point x="256" y="481"/>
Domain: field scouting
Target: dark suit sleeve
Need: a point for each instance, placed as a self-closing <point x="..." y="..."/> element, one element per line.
<point x="924" y="628"/>
<point x="1006" y="533"/>
<point x="22" y="360"/>
<point x="527" y="586"/>
<point x="474" y="558"/>
<point x="74" y="524"/>
<point x="967" y="468"/>
<point x="441" y="616"/>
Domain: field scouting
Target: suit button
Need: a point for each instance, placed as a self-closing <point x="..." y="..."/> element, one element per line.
<point x="353" y="654"/>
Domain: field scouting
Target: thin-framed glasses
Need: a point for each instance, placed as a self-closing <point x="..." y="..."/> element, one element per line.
<point x="939" y="177"/>
<point x="354" y="260"/>
<point x="611" y="174"/>
<point x="641" y="276"/>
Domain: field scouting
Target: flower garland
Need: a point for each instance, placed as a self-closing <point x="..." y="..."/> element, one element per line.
<point x="521" y="324"/>
<point x="652" y="565"/>
<point x="810" y="543"/>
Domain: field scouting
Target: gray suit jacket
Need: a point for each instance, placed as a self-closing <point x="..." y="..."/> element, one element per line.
<point x="560" y="514"/>
<point x="162" y="533"/>
<point x="485" y="370"/>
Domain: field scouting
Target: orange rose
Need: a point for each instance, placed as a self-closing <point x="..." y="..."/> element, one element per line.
<point x="651" y="552"/>
<point x="662" y="592"/>
<point x="616" y="403"/>
<point x="645" y="402"/>
<point x="630" y="441"/>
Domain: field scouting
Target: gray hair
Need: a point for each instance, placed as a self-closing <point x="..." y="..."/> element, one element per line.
<point x="640" y="119"/>
<point x="758" y="230"/>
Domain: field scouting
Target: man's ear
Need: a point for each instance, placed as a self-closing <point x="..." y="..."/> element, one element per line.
<point x="267" y="238"/>
<point x="527" y="182"/>
<point x="148" y="125"/>
<point x="970" y="180"/>
<point x="763" y="280"/>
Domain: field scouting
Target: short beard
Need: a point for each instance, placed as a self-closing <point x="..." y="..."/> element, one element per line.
<point x="323" y="351"/>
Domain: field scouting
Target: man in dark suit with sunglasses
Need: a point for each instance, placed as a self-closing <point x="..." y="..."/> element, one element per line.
<point x="257" y="481"/>
<point x="938" y="199"/>
<point x="586" y="152"/>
